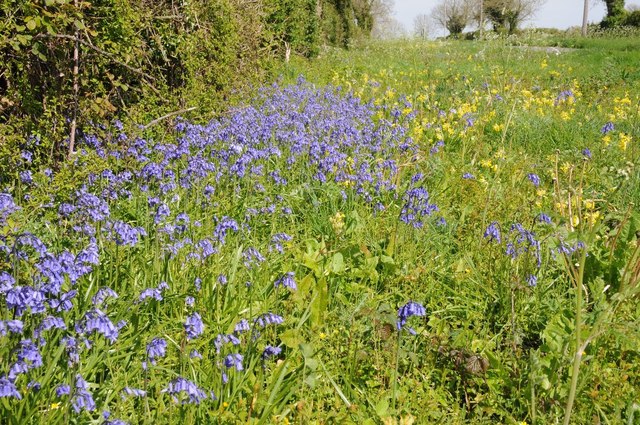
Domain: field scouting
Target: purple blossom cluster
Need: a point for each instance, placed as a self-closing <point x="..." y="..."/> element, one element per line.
<point x="54" y="293"/>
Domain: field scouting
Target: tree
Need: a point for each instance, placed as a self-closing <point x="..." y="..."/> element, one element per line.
<point x="585" y="17"/>
<point x="508" y="15"/>
<point x="422" y="26"/>
<point x="615" y="13"/>
<point x="452" y="15"/>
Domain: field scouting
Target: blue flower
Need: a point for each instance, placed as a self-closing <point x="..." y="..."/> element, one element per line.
<point x="277" y="240"/>
<point x="534" y="179"/>
<point x="63" y="389"/>
<point x="411" y="308"/>
<point x="586" y="152"/>
<point x="9" y="389"/>
<point x="222" y="339"/>
<point x="543" y="218"/>
<point x="287" y="280"/>
<point x="268" y="319"/>
<point x="608" y="127"/>
<point x="181" y="385"/>
<point x="270" y="351"/>
<point x="242" y="326"/>
<point x="234" y="360"/>
<point x="252" y="257"/>
<point x="134" y="392"/>
<point x="193" y="326"/>
<point x="416" y="207"/>
<point x="101" y="296"/>
<point x="156" y="348"/>
<point x="6" y="282"/>
<point x="493" y="232"/>
<point x="96" y="321"/>
<point x="13" y="326"/>
<point x="82" y="398"/>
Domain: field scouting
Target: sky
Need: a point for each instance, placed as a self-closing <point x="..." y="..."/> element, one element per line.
<point x="560" y="14"/>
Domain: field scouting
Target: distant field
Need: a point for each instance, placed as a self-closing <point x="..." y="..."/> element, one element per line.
<point x="433" y="232"/>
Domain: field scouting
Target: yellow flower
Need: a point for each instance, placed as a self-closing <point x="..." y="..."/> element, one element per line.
<point x="498" y="127"/>
<point x="592" y="217"/>
<point x="624" y="141"/>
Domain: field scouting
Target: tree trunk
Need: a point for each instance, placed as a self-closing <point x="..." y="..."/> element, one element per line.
<point x="74" y="117"/>
<point x="585" y="17"/>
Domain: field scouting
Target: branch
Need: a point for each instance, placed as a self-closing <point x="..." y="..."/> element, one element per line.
<point x="102" y="52"/>
<point x="169" y="115"/>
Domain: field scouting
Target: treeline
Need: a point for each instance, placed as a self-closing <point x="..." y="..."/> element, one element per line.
<point x="67" y="63"/>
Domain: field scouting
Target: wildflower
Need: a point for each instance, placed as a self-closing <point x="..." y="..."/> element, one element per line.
<point x="82" y="398"/>
<point x="23" y="298"/>
<point x="9" y="389"/>
<point x="64" y="302"/>
<point x="277" y="240"/>
<point x="49" y="322"/>
<point x="534" y="179"/>
<point x="134" y="392"/>
<point x="156" y="348"/>
<point x="63" y="389"/>
<point x="607" y="128"/>
<point x="468" y="176"/>
<point x="155" y="293"/>
<point x="26" y="177"/>
<point x="195" y="354"/>
<point x="241" y="326"/>
<point x="7" y="206"/>
<point x="96" y="321"/>
<point x="252" y="257"/>
<point x="224" y="225"/>
<point x="193" y="326"/>
<point x="586" y="152"/>
<point x="268" y="319"/>
<point x="532" y="280"/>
<point x="6" y="282"/>
<point x="270" y="351"/>
<point x="234" y="360"/>
<point x="181" y="385"/>
<point x="543" y="218"/>
<point x="222" y="339"/>
<point x="409" y="309"/>
<point x="416" y="207"/>
<point x="101" y="296"/>
<point x="287" y="280"/>
<point x="493" y="232"/>
<point x="13" y="326"/>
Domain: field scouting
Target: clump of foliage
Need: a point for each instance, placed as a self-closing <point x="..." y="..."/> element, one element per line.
<point x="73" y="60"/>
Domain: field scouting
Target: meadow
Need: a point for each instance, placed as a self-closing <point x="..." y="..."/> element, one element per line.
<point x="405" y="232"/>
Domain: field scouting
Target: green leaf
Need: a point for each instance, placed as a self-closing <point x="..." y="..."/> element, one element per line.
<point x="337" y="263"/>
<point x="319" y="303"/>
<point x="31" y="24"/>
<point x="382" y="408"/>
<point x="291" y="338"/>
